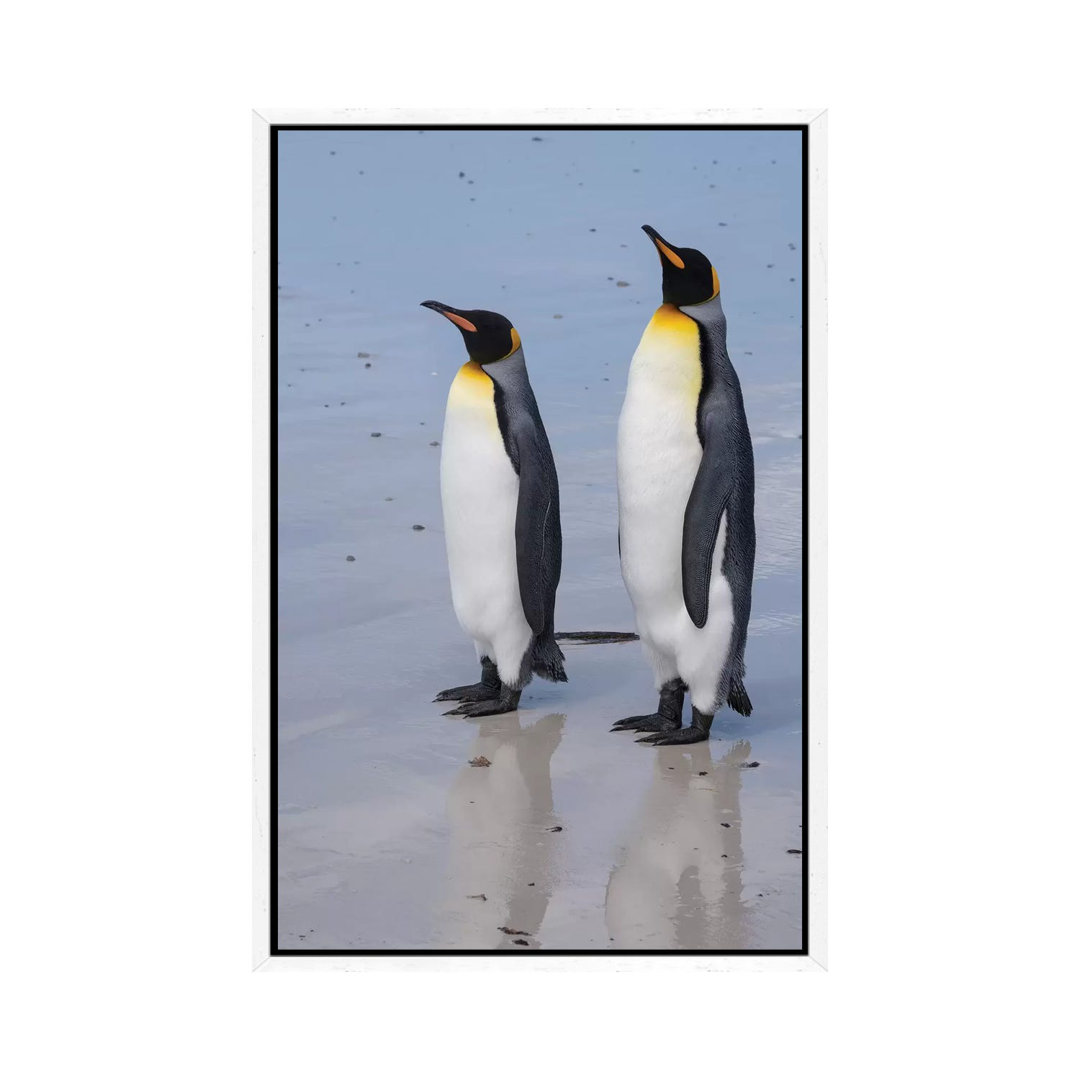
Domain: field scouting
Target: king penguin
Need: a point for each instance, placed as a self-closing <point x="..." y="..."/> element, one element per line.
<point x="686" y="503"/>
<point x="500" y="497"/>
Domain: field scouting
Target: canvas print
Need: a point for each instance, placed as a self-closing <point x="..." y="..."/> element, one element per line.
<point x="539" y="550"/>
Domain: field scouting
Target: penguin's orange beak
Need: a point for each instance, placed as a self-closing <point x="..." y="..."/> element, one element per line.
<point x="451" y="314"/>
<point x="663" y="247"/>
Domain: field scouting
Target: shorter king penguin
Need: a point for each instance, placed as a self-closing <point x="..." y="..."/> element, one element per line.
<point x="686" y="503"/>
<point x="500" y="497"/>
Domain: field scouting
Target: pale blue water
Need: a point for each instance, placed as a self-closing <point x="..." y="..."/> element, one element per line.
<point x="370" y="224"/>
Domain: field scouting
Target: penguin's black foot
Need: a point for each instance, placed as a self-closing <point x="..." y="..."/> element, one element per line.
<point x="506" y="702"/>
<point x="698" y="731"/>
<point x="652" y="722"/>
<point x="472" y="692"/>
<point x="488" y="687"/>
<point x="675" y="738"/>
<point x="668" y="715"/>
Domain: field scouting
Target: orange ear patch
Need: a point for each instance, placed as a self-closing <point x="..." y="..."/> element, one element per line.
<point x="459" y="321"/>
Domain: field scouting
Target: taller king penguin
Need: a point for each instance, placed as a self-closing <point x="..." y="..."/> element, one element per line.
<point x="686" y="503"/>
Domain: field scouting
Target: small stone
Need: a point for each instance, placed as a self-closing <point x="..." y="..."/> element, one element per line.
<point x="420" y="528"/>
<point x="555" y="828"/>
<point x="520" y="941"/>
<point x="376" y="434"/>
<point x="367" y="365"/>
<point x="510" y="933"/>
<point x="749" y="764"/>
<point x="536" y="138"/>
<point x="461" y="176"/>
<point x="556" y="316"/>
<point x="703" y="774"/>
<point x="725" y="825"/>
<point x="363" y="355"/>
<point x="480" y="762"/>
<point x="622" y="284"/>
<point x="389" y="498"/>
<point x="435" y="443"/>
<point x="476" y="896"/>
<point x="350" y="558"/>
<point x="794" y="851"/>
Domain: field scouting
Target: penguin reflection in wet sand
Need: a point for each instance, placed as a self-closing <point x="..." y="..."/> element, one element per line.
<point x="686" y="503"/>
<point x="500" y="497"/>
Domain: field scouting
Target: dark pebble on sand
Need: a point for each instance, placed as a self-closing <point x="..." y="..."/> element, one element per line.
<point x="376" y="434"/>
<point x="725" y="825"/>
<point x="555" y="828"/>
<point x="461" y="176"/>
<point x="418" y="528"/>
<point x="367" y="365"/>
<point x="350" y="558"/>
<point x="794" y="851"/>
<point x="520" y="941"/>
<point x="622" y="284"/>
<point x="791" y="247"/>
<point x="556" y="316"/>
<point x="749" y="764"/>
<point x="722" y="224"/>
<point x="435" y="443"/>
<point x="703" y="774"/>
<point x="363" y="355"/>
<point x="536" y="138"/>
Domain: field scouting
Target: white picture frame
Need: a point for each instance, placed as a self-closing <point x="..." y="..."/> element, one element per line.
<point x="815" y="447"/>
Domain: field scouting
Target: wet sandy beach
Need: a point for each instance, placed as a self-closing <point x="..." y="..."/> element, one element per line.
<point x="573" y="837"/>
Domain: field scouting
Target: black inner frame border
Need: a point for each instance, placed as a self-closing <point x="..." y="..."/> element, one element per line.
<point x="273" y="637"/>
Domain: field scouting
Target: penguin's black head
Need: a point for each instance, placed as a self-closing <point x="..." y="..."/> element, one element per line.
<point x="488" y="335"/>
<point x="689" y="277"/>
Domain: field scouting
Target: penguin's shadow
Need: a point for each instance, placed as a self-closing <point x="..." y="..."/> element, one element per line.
<point x="678" y="883"/>
<point x="503" y="834"/>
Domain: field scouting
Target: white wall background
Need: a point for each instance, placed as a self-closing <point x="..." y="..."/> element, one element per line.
<point x="125" y="439"/>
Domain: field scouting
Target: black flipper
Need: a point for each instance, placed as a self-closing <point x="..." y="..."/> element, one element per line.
<point x="539" y="545"/>
<point x="709" y="498"/>
<point x="596" y="637"/>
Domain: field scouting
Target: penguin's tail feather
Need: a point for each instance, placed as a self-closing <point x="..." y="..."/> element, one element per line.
<point x="738" y="698"/>
<point x="547" y="659"/>
<point x="595" y="637"/>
